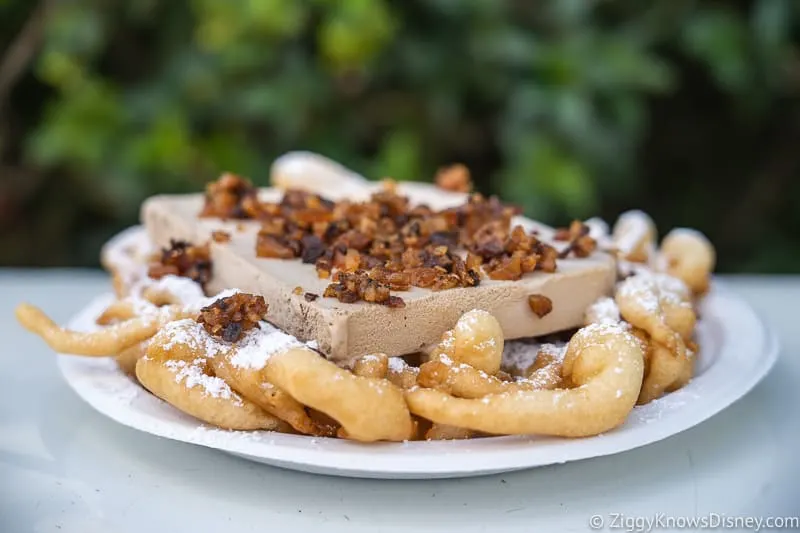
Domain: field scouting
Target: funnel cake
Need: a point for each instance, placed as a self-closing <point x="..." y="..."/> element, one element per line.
<point x="333" y="295"/>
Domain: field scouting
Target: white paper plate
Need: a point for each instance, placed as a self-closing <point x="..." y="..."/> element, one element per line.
<point x="737" y="352"/>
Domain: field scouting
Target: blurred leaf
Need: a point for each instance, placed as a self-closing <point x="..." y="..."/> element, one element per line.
<point x="399" y="157"/>
<point x="771" y="28"/>
<point x="80" y="129"/>
<point x="355" y="32"/>
<point x="164" y="147"/>
<point x="547" y="182"/>
<point x="75" y="29"/>
<point x="716" y="37"/>
<point x="276" y="17"/>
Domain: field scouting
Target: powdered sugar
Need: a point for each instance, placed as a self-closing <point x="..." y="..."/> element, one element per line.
<point x="185" y="290"/>
<point x="671" y="288"/>
<point x="603" y="329"/>
<point x="470" y="319"/>
<point x="192" y="374"/>
<point x="448" y="341"/>
<point x="631" y="229"/>
<point x="192" y="334"/>
<point x="557" y="351"/>
<point x="603" y="311"/>
<point x="252" y="351"/>
<point x="519" y="355"/>
<point x="397" y="364"/>
<point x="649" y="290"/>
<point x="486" y="344"/>
<point x="258" y="345"/>
<point x="642" y="290"/>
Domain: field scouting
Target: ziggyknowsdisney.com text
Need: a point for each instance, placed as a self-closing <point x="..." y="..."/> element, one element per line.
<point x="662" y="521"/>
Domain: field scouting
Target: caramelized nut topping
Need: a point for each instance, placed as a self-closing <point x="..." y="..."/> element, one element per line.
<point x="231" y="317"/>
<point x="351" y="287"/>
<point x="454" y="178"/>
<point x="369" y="248"/>
<point x="580" y="243"/>
<point x="540" y="304"/>
<point x="183" y="259"/>
<point x="230" y="197"/>
<point x="220" y="236"/>
<point x="297" y="290"/>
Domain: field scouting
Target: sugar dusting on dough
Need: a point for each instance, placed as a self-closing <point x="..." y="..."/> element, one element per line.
<point x="185" y="290"/>
<point x="632" y="227"/>
<point x="558" y="351"/>
<point x="254" y="350"/>
<point x="641" y="289"/>
<point x="470" y="319"/>
<point x="189" y="333"/>
<point x="396" y="364"/>
<point x="519" y="355"/>
<point x="192" y="374"/>
<point x="603" y="311"/>
<point x="648" y="290"/>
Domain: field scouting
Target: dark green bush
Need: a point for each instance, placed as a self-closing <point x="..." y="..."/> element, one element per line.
<point x="687" y="109"/>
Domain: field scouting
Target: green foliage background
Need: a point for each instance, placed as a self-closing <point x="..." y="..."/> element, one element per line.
<point x="687" y="109"/>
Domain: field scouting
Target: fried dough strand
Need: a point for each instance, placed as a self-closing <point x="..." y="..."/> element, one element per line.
<point x="605" y="362"/>
<point x="103" y="343"/>
<point x="252" y="384"/>
<point x="368" y="409"/>
<point x="178" y="372"/>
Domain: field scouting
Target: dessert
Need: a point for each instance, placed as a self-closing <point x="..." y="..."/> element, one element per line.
<point x="377" y="319"/>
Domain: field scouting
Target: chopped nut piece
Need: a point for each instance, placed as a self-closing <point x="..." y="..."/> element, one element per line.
<point x="231" y="197"/>
<point x="350" y="287"/>
<point x="298" y="290"/>
<point x="183" y="259"/>
<point x="231" y="317"/>
<point x="276" y="247"/>
<point x="220" y="236"/>
<point x="581" y="244"/>
<point x="454" y="178"/>
<point x="540" y="305"/>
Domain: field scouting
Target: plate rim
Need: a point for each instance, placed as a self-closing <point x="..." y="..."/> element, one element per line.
<point x="336" y="457"/>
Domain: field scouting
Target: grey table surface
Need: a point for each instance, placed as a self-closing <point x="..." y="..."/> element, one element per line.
<point x="64" y="467"/>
